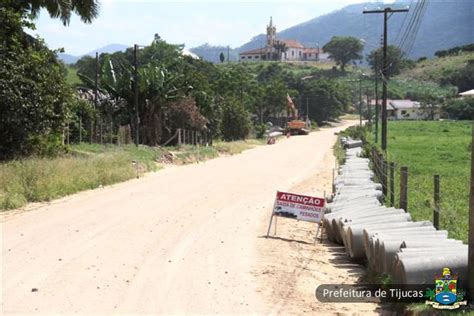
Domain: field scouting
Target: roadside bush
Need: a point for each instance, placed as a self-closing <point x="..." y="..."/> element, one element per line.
<point x="460" y="109"/>
<point x="236" y="122"/>
<point x="260" y="130"/>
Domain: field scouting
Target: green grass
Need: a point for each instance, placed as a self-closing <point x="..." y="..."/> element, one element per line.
<point x="85" y="167"/>
<point x="88" y="166"/>
<point x="428" y="148"/>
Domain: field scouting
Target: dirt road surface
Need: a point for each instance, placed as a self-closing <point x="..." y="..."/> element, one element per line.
<point x="186" y="239"/>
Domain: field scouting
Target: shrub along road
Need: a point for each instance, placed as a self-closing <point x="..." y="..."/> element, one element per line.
<point x="186" y="239"/>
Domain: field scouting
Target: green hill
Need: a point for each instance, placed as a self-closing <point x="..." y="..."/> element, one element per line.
<point x="445" y="24"/>
<point x="437" y="69"/>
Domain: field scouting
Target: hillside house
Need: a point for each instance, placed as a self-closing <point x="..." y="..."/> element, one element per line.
<point x="410" y="110"/>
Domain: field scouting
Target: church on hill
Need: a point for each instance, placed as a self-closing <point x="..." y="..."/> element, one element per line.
<point x="282" y="49"/>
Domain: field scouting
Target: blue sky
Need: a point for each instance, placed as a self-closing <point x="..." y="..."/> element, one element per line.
<point x="181" y="22"/>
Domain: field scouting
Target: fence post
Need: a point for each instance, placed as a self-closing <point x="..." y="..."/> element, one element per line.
<point x="436" y="202"/>
<point x="67" y="135"/>
<point x="101" y="131"/>
<point x="80" y="130"/>
<point x="404" y="188"/>
<point x="392" y="184"/>
<point x="179" y="136"/>
<point x="333" y="184"/>
<point x="384" y="177"/>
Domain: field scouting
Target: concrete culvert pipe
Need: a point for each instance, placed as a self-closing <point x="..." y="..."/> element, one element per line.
<point x="355" y="239"/>
<point x="412" y="245"/>
<point x="395" y="242"/>
<point x="363" y="233"/>
<point x="328" y="218"/>
<point x="388" y="251"/>
<point x="427" y="252"/>
<point x="423" y="270"/>
<point x="386" y="248"/>
<point x="405" y="217"/>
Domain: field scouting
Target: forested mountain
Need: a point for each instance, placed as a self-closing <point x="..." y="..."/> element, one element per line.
<point x="445" y="24"/>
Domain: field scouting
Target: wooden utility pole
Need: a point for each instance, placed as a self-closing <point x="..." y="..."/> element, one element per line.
<point x="376" y="102"/>
<point x="470" y="260"/>
<point x="135" y="89"/>
<point x="436" y="202"/>
<point x="385" y="12"/>
<point x="360" y="101"/>
<point x="369" y="110"/>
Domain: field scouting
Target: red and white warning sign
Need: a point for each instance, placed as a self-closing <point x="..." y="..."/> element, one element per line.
<point x="300" y="207"/>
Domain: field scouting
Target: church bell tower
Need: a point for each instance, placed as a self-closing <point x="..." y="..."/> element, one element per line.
<point x="271" y="38"/>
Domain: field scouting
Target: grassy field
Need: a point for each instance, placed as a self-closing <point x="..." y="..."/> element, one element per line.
<point x="429" y="148"/>
<point x="89" y="166"/>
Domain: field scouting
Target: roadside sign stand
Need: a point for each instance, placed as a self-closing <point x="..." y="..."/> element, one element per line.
<point x="271" y="220"/>
<point x="299" y="207"/>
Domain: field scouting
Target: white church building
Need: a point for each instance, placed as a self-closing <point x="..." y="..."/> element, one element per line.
<point x="282" y="49"/>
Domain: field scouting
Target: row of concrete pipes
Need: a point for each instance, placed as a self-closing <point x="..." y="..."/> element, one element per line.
<point x="410" y="252"/>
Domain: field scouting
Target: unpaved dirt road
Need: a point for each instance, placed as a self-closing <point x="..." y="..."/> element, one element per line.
<point x="183" y="240"/>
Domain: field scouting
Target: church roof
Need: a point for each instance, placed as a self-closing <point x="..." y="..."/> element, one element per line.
<point x="312" y="50"/>
<point x="292" y="43"/>
<point x="254" y="51"/>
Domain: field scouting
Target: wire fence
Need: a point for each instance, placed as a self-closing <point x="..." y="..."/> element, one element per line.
<point x="435" y="197"/>
<point x="106" y="131"/>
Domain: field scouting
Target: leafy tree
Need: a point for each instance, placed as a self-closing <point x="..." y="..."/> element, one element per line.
<point x="34" y="96"/>
<point x="343" y="49"/>
<point x="463" y="78"/>
<point x="222" y="57"/>
<point x="327" y="99"/>
<point x="460" y="109"/>
<point x="235" y="121"/>
<point x="395" y="60"/>
<point x="87" y="10"/>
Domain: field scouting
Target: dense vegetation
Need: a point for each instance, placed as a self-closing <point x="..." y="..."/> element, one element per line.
<point x="34" y="95"/>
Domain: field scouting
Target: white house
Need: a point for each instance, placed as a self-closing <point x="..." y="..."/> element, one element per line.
<point x="295" y="51"/>
<point x="411" y="110"/>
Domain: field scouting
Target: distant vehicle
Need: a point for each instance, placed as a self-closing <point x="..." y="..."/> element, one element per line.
<point x="295" y="126"/>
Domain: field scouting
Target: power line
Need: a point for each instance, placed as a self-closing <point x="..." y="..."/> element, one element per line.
<point x="385" y="12"/>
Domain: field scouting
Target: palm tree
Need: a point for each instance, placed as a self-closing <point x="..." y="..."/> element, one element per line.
<point x="87" y="10"/>
<point x="280" y="48"/>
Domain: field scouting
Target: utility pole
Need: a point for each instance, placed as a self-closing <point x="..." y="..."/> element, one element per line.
<point x="385" y="12"/>
<point x="360" y="101"/>
<point x="135" y="89"/>
<point x="96" y="95"/>
<point x="307" y="109"/>
<point x="376" y="102"/>
<point x="369" y="112"/>
<point x="470" y="260"/>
